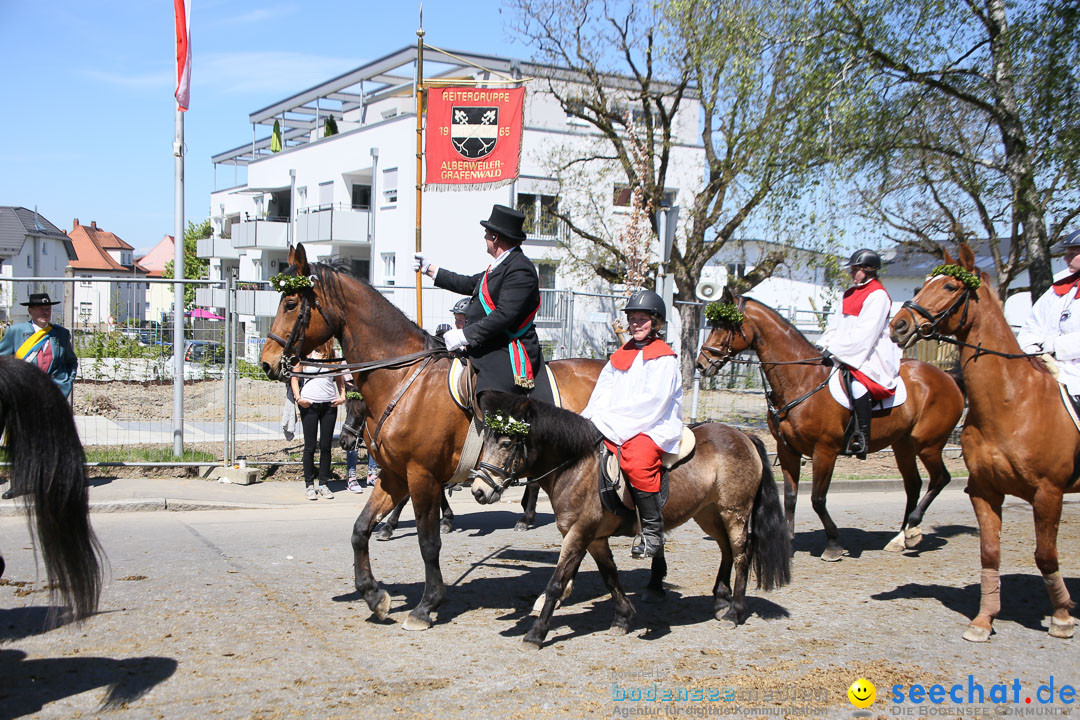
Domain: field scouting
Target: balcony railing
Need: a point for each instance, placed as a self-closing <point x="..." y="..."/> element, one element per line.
<point x="337" y="223"/>
<point x="216" y="247"/>
<point x="270" y="233"/>
<point x="554" y="307"/>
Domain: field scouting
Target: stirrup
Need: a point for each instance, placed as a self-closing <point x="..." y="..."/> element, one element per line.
<point x="856" y="444"/>
<point x="642" y="548"/>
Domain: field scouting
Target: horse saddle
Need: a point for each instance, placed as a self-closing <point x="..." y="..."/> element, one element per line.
<point x="614" y="494"/>
<point x="460" y="382"/>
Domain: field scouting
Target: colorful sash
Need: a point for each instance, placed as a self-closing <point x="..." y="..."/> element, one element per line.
<point x="519" y="359"/>
<point x="33" y="343"/>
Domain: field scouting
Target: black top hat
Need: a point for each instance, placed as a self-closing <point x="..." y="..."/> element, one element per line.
<point x="507" y="222"/>
<point x="39" y="299"/>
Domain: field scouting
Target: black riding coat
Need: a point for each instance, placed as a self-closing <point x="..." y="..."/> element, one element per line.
<point x="515" y="289"/>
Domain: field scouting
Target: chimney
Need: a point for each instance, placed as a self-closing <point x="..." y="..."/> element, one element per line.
<point x="75" y="223"/>
<point x="93" y="224"/>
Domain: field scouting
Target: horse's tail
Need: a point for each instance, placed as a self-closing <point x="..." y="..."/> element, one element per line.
<point x="770" y="544"/>
<point x="48" y="469"/>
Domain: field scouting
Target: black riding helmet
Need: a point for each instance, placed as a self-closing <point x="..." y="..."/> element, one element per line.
<point x="648" y="301"/>
<point x="1069" y="241"/>
<point x="460" y="306"/>
<point x="866" y="258"/>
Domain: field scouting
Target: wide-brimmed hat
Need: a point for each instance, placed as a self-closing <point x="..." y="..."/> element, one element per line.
<point x="37" y="299"/>
<point x="508" y="222"/>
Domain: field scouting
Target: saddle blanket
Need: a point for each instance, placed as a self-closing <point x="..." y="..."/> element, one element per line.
<point x="1070" y="404"/>
<point x="455" y="381"/>
<point x="836" y="389"/>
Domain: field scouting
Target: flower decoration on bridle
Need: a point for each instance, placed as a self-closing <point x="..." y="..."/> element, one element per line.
<point x="506" y="425"/>
<point x="968" y="278"/>
<point x="291" y="283"/>
<point x="723" y="314"/>
<point x="353" y="395"/>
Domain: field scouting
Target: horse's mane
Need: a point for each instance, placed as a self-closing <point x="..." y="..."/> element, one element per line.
<point x="550" y="428"/>
<point x="329" y="273"/>
<point x="788" y="325"/>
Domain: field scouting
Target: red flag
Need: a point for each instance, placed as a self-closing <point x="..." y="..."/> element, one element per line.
<point x="183" y="55"/>
<point x="473" y="137"/>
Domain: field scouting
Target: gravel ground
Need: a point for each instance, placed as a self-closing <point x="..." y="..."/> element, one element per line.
<point x="252" y="614"/>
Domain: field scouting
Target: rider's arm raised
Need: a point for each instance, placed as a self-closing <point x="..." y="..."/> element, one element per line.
<point x="455" y="282"/>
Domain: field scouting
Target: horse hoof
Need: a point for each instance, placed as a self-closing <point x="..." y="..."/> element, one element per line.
<point x="833" y="553"/>
<point x="618" y="630"/>
<point x="521" y="526"/>
<point x="1062" y="629"/>
<point x="912" y="537"/>
<point x="536" y="642"/>
<point x="897" y="544"/>
<point x="445" y="527"/>
<point x="384" y="533"/>
<point x="652" y="595"/>
<point x="974" y="633"/>
<point x="382" y="606"/>
<point x="415" y="624"/>
<point x="727" y="619"/>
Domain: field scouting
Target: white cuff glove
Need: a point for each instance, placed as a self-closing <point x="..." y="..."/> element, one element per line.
<point x="420" y="263"/>
<point x="455" y="339"/>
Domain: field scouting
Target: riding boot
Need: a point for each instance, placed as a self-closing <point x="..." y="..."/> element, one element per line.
<point x="651" y="540"/>
<point x="859" y="442"/>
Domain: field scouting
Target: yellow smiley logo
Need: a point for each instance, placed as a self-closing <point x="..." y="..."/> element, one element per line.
<point x="862" y="693"/>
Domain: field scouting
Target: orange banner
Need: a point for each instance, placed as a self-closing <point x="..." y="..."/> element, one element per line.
<point x="473" y="137"/>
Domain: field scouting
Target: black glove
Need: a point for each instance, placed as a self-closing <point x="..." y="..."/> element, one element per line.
<point x="826" y="358"/>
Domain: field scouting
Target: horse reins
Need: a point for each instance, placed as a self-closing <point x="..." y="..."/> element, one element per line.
<point x="928" y="329"/>
<point x="484" y="470"/>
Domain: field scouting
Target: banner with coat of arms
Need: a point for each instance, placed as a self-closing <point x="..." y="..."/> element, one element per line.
<point x="473" y="137"/>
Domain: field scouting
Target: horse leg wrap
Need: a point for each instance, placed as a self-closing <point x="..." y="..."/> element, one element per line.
<point x="991" y="592"/>
<point x="1059" y="594"/>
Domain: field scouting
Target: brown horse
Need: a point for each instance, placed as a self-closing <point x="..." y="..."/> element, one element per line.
<point x="805" y="420"/>
<point x="1018" y="438"/>
<point x="418" y="431"/>
<point x="725" y="486"/>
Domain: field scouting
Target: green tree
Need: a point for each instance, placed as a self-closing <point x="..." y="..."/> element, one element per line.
<point x="967" y="113"/>
<point x="330" y="126"/>
<point x="195" y="267"/>
<point x="763" y="81"/>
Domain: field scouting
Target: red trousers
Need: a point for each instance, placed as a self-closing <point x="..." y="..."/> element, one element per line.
<point x="639" y="458"/>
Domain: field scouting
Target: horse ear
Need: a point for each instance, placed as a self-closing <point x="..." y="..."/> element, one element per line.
<point x="967" y="258"/>
<point x="727" y="296"/>
<point x="298" y="259"/>
<point x="946" y="258"/>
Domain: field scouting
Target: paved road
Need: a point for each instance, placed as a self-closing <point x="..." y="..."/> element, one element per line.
<point x="251" y="613"/>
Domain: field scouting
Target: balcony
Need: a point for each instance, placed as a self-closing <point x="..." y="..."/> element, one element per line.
<point x="332" y="223"/>
<point x="554" y="308"/>
<point x="270" y="233"/>
<point x="216" y="247"/>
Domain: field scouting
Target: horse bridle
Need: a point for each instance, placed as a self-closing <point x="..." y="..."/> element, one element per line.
<point x="289" y="357"/>
<point x="928" y="329"/>
<point x="509" y="475"/>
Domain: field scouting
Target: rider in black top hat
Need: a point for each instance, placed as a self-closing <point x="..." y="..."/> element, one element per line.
<point x="499" y="335"/>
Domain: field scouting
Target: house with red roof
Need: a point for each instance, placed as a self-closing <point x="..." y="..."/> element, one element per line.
<point x="102" y="254"/>
<point x="159" y="296"/>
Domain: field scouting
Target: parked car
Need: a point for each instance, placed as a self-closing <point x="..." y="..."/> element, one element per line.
<point x="204" y="351"/>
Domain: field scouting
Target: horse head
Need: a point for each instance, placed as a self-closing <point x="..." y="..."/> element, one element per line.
<point x="941" y="306"/>
<point x="507" y="452"/>
<point x="729" y="336"/>
<point x="355" y="414"/>
<point x="296" y="330"/>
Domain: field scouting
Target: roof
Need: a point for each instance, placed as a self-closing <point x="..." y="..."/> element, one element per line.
<point x="154" y="261"/>
<point x="18" y="223"/>
<point x="92" y="245"/>
<point x="388" y="76"/>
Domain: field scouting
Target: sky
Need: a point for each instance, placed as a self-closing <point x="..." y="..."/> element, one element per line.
<point x="86" y="91"/>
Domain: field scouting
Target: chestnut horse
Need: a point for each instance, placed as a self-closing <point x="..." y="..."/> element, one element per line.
<point x="1018" y="438"/>
<point x="725" y="486"/>
<point x="806" y="420"/>
<point x="417" y="429"/>
<point x="48" y="473"/>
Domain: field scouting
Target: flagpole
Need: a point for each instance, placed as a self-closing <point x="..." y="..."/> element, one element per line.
<point x="178" y="287"/>
<point x="419" y="158"/>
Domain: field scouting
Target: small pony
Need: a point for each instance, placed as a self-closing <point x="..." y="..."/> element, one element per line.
<point x="725" y="486"/>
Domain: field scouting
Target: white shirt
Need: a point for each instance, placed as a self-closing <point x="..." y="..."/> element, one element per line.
<point x="647" y="398"/>
<point x="1054" y="327"/>
<point x="862" y="341"/>
<point x="319" y="389"/>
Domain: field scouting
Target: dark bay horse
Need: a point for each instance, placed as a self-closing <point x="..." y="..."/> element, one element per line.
<point x="1018" y="438"/>
<point x="418" y="431"/>
<point x="725" y="486"/>
<point x="808" y="421"/>
<point x="355" y="413"/>
<point x="48" y="475"/>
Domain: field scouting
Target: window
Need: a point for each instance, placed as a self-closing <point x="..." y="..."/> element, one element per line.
<point x="736" y="270"/>
<point x="44" y="248"/>
<point x="574" y="106"/>
<point x="361" y="197"/>
<point x="85" y="309"/>
<point x="622" y="109"/>
<point x="389" y="266"/>
<point x="86" y="284"/>
<point x="623" y="195"/>
<point x="389" y="185"/>
<point x="540" y="220"/>
<point x="546" y="270"/>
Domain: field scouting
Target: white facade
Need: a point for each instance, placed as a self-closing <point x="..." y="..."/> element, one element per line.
<point x="352" y="196"/>
<point x="39" y="257"/>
